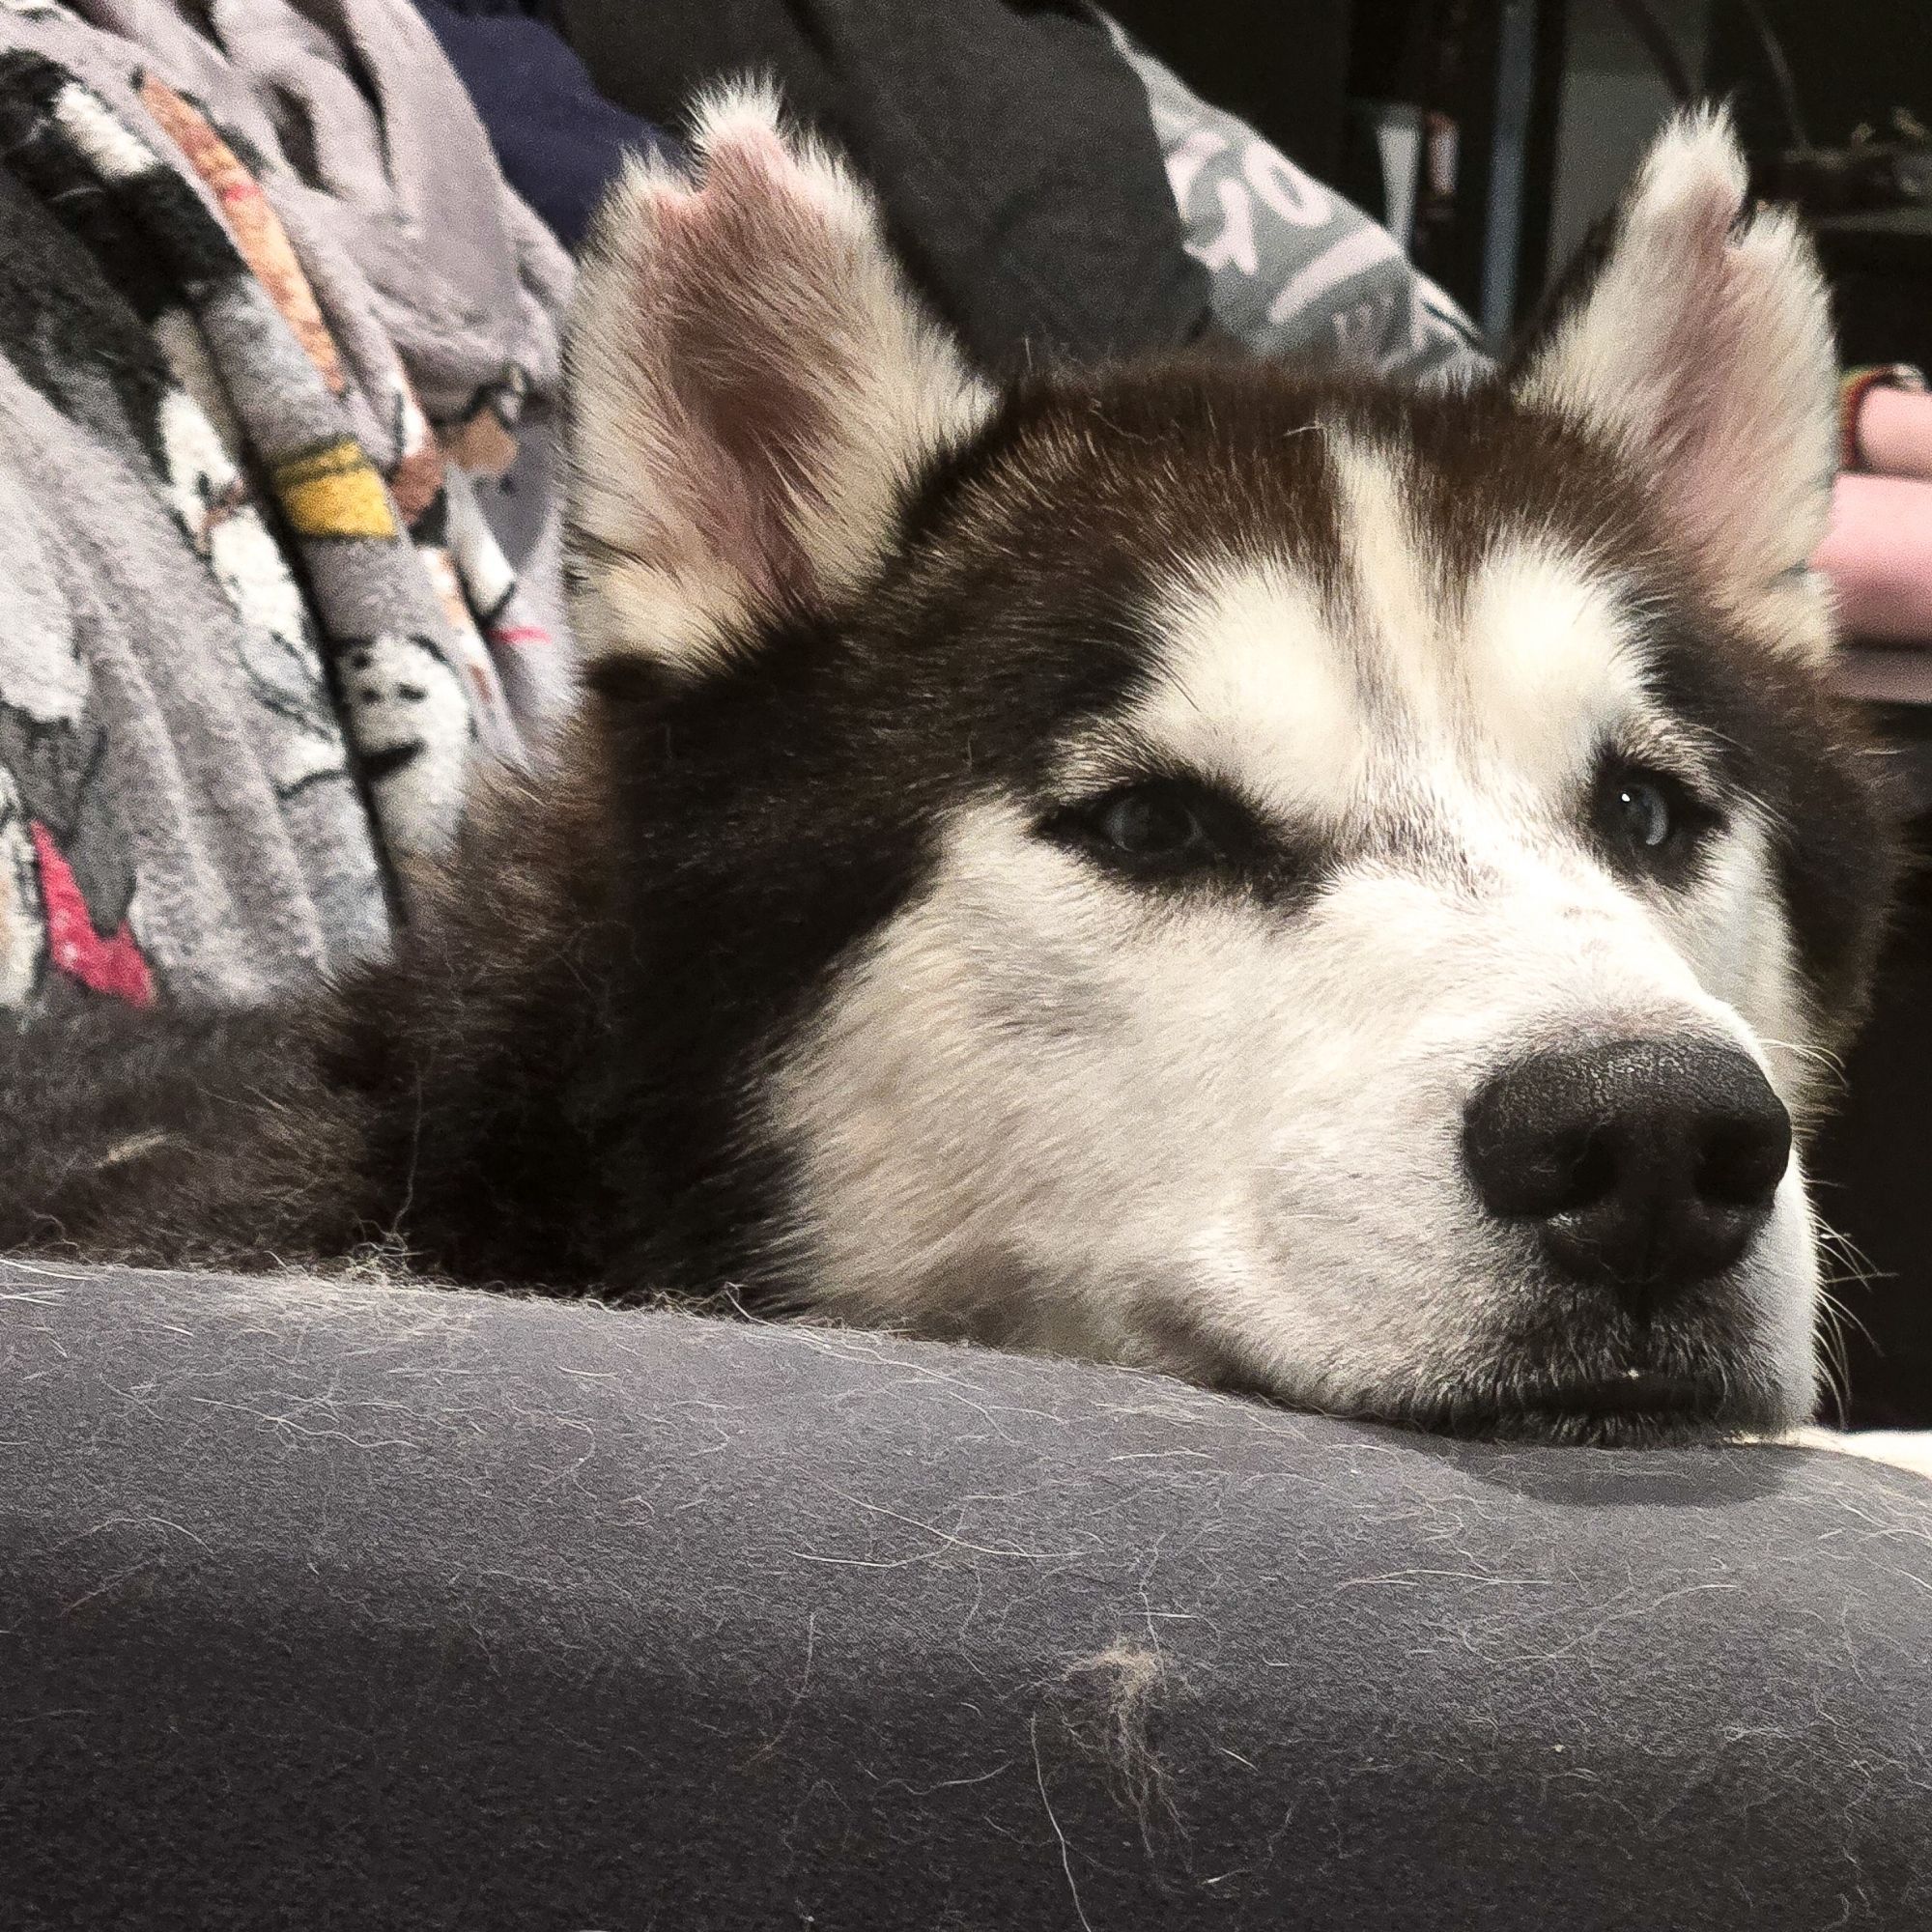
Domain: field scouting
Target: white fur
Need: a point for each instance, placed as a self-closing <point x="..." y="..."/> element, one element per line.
<point x="1253" y="695"/>
<point x="1389" y="574"/>
<point x="1215" y="1135"/>
<point x="1704" y="350"/>
<point x="1554" y="655"/>
<point x="1261" y="693"/>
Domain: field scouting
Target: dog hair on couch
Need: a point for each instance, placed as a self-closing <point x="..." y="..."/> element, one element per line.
<point x="1324" y="888"/>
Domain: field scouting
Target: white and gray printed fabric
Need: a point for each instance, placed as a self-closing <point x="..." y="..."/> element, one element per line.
<point x="1297" y="269"/>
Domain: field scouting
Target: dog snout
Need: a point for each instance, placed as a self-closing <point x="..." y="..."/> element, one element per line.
<point x="1647" y="1164"/>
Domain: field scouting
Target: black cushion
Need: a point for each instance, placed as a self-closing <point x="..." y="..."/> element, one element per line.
<point x="357" y="1606"/>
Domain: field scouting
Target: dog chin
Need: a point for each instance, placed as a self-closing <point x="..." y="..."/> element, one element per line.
<point x="1645" y="1412"/>
<point x="1629" y="1408"/>
<point x="1672" y="1391"/>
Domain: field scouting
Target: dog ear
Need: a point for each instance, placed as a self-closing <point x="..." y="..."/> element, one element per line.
<point x="753" y="391"/>
<point x="1699" y="341"/>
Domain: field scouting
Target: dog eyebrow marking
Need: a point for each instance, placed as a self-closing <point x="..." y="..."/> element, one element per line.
<point x="1526" y="658"/>
<point x="1552" y="664"/>
<point x="1521" y="674"/>
<point x="1254" y="690"/>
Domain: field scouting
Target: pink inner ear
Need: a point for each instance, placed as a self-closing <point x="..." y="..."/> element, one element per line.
<point x="748" y="142"/>
<point x="738" y="354"/>
<point x="1713" y="433"/>
<point x="1694" y="407"/>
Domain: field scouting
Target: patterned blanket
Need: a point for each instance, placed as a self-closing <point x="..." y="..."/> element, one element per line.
<point x="259" y="625"/>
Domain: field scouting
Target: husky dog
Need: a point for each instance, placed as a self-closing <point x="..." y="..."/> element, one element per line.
<point x="1322" y="889"/>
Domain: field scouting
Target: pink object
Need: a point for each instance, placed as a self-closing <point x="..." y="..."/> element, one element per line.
<point x="114" y="965"/>
<point x="1895" y="432"/>
<point x="1878" y="555"/>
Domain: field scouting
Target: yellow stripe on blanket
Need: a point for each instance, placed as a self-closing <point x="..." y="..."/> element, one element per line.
<point x="334" y="492"/>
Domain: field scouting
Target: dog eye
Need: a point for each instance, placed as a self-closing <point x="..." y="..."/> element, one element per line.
<point x="1648" y="815"/>
<point x="1158" y="826"/>
<point x="1643" y="813"/>
<point x="1150" y="822"/>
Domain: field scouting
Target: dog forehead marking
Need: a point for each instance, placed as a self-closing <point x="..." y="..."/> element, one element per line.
<point x="1392" y="590"/>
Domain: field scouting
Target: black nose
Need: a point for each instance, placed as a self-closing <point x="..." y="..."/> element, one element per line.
<point x="1645" y="1163"/>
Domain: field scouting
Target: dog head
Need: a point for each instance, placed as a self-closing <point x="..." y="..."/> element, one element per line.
<point x="1317" y="887"/>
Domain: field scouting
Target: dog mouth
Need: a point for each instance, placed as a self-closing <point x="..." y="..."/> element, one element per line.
<point x="1701" y="1375"/>
<point x="1705" y="1378"/>
<point x="1632" y="1408"/>
<point x="1633" y="1392"/>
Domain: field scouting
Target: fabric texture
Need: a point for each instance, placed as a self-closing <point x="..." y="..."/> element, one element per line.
<point x="219" y="807"/>
<point x="1296" y="268"/>
<point x="362" y="1605"/>
<point x="1010" y="150"/>
<point x="386" y="152"/>
<point x="557" y="140"/>
<point x="1013" y="149"/>
<point x="182" y="814"/>
<point x="375" y="604"/>
<point x="444" y="293"/>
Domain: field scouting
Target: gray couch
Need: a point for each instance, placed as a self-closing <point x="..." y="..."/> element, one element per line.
<point x="362" y="1607"/>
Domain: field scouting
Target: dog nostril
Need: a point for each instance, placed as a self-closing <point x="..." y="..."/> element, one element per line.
<point x="1742" y="1163"/>
<point x="1646" y="1164"/>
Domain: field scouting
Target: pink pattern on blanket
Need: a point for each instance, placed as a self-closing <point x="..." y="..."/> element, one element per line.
<point x="111" y="965"/>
